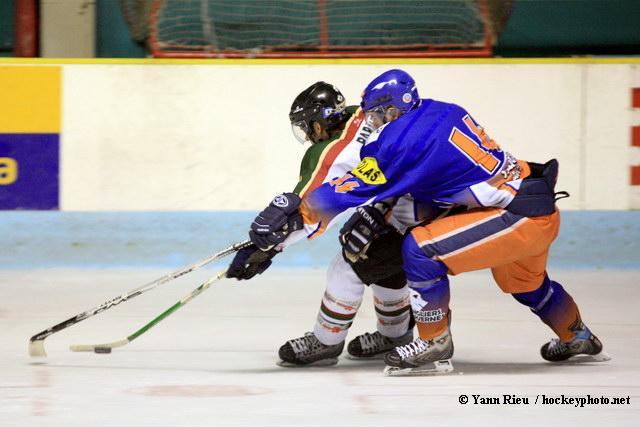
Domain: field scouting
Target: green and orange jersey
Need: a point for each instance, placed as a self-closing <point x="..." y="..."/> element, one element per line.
<point x="332" y="159"/>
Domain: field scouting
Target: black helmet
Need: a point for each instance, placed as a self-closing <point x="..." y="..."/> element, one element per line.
<point x="321" y="102"/>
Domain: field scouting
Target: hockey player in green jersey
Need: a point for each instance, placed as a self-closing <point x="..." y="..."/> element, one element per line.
<point x="319" y="115"/>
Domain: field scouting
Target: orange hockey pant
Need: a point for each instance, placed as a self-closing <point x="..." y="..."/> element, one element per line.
<point x="514" y="247"/>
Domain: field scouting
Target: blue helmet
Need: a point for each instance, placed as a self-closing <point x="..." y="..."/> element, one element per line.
<point x="391" y="88"/>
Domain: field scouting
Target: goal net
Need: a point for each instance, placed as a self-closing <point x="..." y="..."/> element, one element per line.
<point x="313" y="28"/>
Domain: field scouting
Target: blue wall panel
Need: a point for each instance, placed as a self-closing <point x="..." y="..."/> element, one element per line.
<point x="33" y="182"/>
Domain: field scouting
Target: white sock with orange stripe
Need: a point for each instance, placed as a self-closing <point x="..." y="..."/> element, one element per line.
<point x="393" y="310"/>
<point x="340" y="303"/>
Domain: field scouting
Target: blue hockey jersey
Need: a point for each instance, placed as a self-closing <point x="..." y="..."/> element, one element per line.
<point x="436" y="153"/>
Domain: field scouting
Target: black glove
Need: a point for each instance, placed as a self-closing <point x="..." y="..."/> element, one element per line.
<point x="273" y="224"/>
<point x="250" y="261"/>
<point x="360" y="230"/>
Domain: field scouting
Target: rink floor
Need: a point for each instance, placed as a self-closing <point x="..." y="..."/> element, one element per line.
<point x="213" y="362"/>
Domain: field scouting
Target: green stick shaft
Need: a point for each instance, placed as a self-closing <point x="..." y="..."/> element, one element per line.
<point x="197" y="291"/>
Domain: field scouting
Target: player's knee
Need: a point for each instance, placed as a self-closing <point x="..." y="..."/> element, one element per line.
<point x="418" y="266"/>
<point x="537" y="298"/>
<point x="342" y="279"/>
<point x="410" y="249"/>
<point x="412" y="255"/>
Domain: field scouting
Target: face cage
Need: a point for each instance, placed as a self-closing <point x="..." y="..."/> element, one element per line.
<point x="378" y="116"/>
<point x="300" y="131"/>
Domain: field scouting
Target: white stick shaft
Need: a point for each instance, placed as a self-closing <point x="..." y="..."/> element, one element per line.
<point x="37" y="350"/>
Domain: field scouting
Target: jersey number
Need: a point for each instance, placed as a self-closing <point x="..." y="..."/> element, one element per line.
<point x="475" y="152"/>
<point x="340" y="186"/>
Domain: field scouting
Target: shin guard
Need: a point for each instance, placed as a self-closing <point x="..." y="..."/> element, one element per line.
<point x="340" y="303"/>
<point x="555" y="307"/>
<point x="393" y="310"/>
<point x="429" y="287"/>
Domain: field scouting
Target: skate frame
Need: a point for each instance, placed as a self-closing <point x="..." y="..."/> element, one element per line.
<point x="440" y="367"/>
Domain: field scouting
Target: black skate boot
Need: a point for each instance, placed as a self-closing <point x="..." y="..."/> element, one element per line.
<point x="308" y="350"/>
<point x="584" y="347"/>
<point x="375" y="345"/>
<point x="421" y="357"/>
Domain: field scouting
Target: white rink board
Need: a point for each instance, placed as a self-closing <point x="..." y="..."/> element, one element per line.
<point x="217" y="137"/>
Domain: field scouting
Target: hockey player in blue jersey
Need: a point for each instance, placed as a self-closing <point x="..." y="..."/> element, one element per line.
<point x="437" y="153"/>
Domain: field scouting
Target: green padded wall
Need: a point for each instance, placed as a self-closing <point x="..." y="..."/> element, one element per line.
<point x="572" y="27"/>
<point x="6" y="27"/>
<point x="112" y="34"/>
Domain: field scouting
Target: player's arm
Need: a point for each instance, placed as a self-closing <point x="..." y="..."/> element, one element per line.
<point x="320" y="208"/>
<point x="366" y="184"/>
<point x="372" y="187"/>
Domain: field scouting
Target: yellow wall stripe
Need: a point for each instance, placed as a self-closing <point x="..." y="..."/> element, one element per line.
<point x="30" y="99"/>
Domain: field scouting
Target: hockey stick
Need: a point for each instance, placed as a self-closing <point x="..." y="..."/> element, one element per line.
<point x="107" y="347"/>
<point x="36" y="342"/>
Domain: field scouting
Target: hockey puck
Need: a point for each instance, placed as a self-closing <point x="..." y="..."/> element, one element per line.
<point x="102" y="350"/>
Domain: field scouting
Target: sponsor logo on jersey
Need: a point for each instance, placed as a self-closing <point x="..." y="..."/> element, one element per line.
<point x="369" y="172"/>
<point x="429" y="316"/>
<point x="281" y="201"/>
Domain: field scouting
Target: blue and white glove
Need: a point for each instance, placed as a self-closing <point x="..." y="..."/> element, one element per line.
<point x="272" y="226"/>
